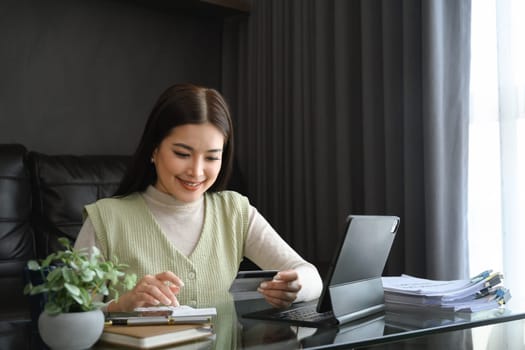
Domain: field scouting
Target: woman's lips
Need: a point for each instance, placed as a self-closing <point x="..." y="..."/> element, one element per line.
<point x="190" y="185"/>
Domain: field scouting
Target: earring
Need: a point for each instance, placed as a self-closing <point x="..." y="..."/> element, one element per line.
<point x="152" y="160"/>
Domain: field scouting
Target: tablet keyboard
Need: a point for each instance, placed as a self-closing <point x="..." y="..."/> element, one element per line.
<point x="305" y="313"/>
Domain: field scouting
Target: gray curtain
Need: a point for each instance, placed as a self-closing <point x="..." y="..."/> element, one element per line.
<point x="356" y="107"/>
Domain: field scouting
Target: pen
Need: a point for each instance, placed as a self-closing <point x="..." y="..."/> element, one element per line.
<point x="139" y="321"/>
<point x="152" y="320"/>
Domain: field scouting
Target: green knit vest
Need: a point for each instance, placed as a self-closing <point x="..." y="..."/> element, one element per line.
<point x="125" y="228"/>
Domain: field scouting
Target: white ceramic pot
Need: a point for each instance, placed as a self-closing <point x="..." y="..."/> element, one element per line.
<point x="74" y="330"/>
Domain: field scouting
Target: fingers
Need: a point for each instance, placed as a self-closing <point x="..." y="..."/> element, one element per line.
<point x="171" y="285"/>
<point x="282" y="290"/>
<point x="170" y="277"/>
<point x="277" y="302"/>
<point x="284" y="281"/>
<point x="284" y="286"/>
<point x="279" y="298"/>
<point x="151" y="290"/>
<point x="286" y="275"/>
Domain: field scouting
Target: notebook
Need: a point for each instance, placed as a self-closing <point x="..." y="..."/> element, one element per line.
<point x="146" y="337"/>
<point x="352" y="288"/>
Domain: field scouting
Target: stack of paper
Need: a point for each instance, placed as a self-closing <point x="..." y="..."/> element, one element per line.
<point x="482" y="292"/>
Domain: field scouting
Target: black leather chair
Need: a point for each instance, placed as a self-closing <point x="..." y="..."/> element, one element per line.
<point x="16" y="231"/>
<point x="41" y="199"/>
<point x="62" y="185"/>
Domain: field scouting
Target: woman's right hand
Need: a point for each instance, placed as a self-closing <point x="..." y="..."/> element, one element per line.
<point x="150" y="290"/>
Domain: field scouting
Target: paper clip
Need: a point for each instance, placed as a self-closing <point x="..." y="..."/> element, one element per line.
<point x="481" y="276"/>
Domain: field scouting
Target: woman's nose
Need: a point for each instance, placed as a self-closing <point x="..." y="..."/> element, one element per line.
<point x="196" y="168"/>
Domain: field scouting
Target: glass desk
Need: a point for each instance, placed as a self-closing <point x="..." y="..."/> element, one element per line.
<point x="494" y="329"/>
<point x="394" y="329"/>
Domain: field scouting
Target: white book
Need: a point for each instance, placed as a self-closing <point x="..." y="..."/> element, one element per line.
<point x="179" y="311"/>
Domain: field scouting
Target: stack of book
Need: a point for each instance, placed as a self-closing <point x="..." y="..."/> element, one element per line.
<point x="160" y="326"/>
<point x="482" y="292"/>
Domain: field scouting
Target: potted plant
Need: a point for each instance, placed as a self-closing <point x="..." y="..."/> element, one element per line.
<point x="71" y="280"/>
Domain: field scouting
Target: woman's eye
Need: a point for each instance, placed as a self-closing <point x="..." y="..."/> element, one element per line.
<point x="213" y="158"/>
<point x="181" y="155"/>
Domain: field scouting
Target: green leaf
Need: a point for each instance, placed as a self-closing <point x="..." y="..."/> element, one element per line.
<point x="73" y="290"/>
<point x="130" y="280"/>
<point x="27" y="289"/>
<point x="86" y="298"/>
<point x="47" y="261"/>
<point x="41" y="288"/>
<point x="56" y="287"/>
<point x="33" y="265"/>
<point x="103" y="289"/>
<point x="78" y="299"/>
<point x="67" y="274"/>
<point x="88" y="275"/>
<point x="112" y="276"/>
<point x="52" y="308"/>
<point x="99" y="272"/>
<point x="95" y="252"/>
<point x="64" y="242"/>
<point x="54" y="275"/>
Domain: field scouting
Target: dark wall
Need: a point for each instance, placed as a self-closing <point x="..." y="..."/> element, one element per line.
<point x="81" y="76"/>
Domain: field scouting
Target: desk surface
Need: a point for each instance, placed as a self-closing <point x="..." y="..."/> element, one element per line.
<point x="393" y="327"/>
<point x="500" y="328"/>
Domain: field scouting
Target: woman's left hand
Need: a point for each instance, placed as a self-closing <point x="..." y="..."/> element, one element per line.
<point x="282" y="290"/>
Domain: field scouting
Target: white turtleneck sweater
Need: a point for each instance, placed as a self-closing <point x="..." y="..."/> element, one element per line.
<point x="182" y="223"/>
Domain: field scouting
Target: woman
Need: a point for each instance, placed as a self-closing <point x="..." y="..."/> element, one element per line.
<point x="175" y="226"/>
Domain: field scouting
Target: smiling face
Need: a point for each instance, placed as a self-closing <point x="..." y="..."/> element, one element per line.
<point x="188" y="161"/>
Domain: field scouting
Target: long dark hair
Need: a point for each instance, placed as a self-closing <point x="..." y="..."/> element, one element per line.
<point x="178" y="105"/>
